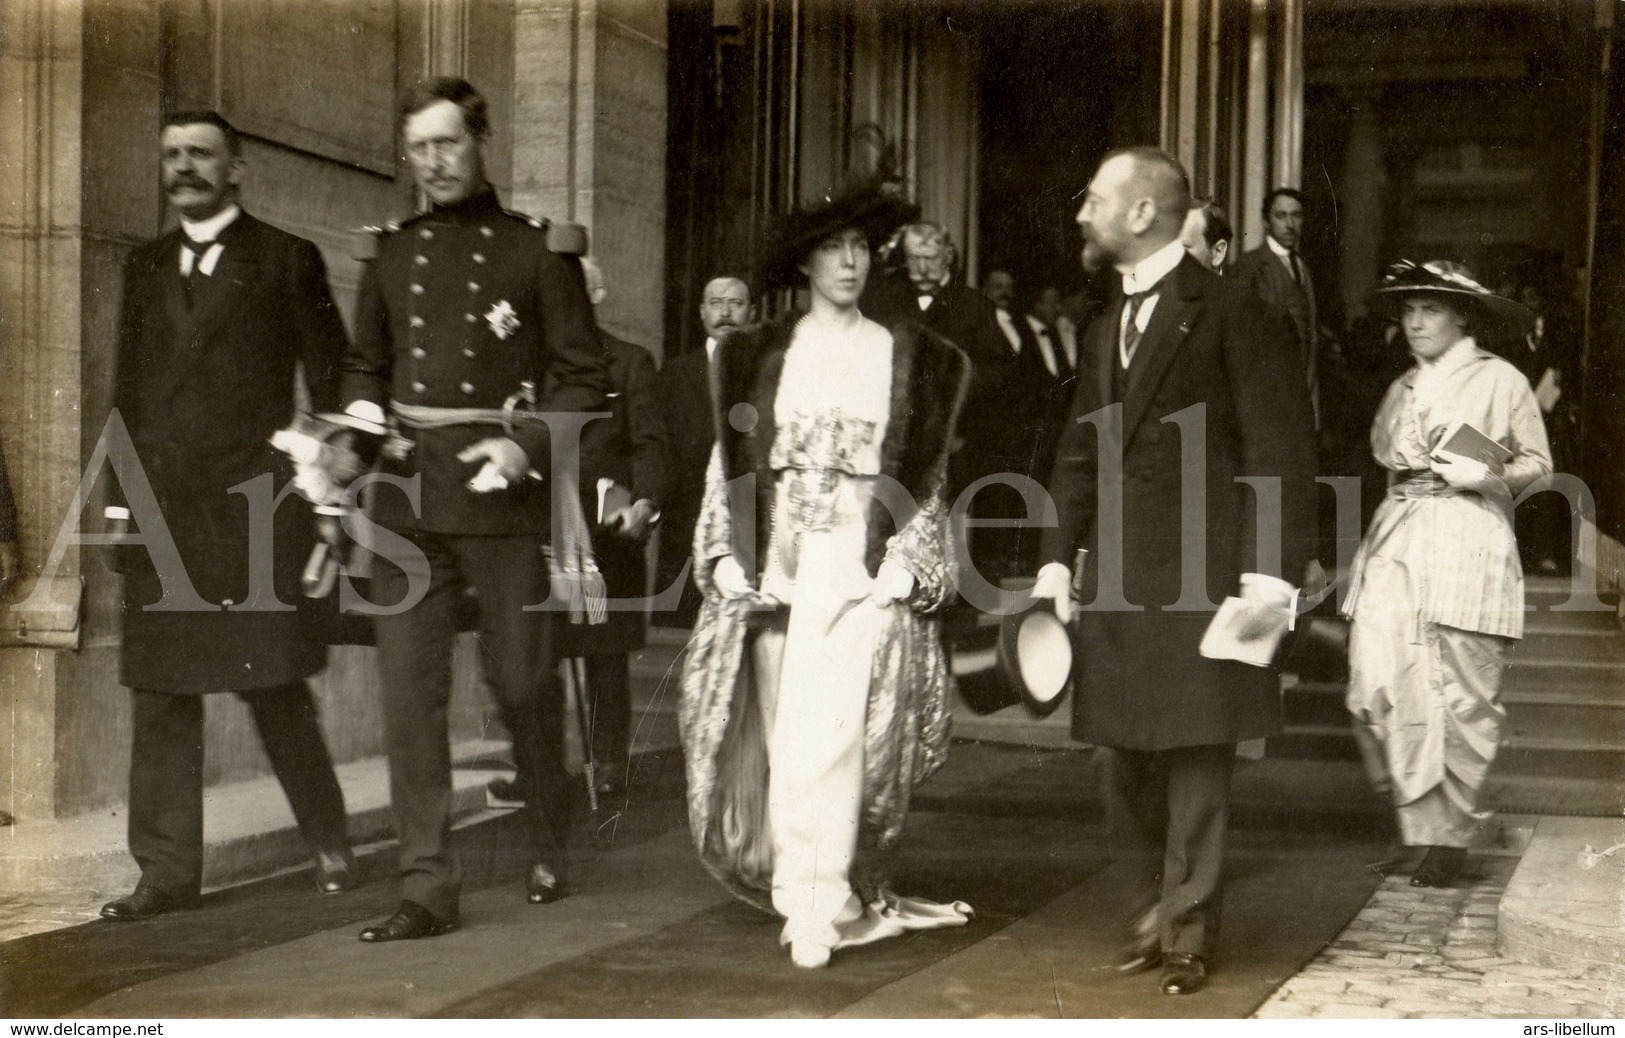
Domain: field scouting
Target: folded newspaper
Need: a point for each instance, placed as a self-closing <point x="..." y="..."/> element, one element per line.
<point x="1245" y="630"/>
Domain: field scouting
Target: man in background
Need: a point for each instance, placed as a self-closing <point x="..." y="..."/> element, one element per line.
<point x="682" y="394"/>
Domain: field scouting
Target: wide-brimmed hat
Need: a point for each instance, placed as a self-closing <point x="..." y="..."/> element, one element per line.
<point x="874" y="205"/>
<point x="1446" y="278"/>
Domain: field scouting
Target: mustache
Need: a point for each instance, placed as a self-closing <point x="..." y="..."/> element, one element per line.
<point x="186" y="180"/>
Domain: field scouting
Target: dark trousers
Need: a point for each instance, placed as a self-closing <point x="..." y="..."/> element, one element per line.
<point x="414" y="653"/>
<point x="1169" y="809"/>
<point x="166" y="779"/>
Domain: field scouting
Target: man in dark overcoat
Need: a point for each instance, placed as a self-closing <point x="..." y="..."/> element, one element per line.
<point x="1187" y="386"/>
<point x="217" y="318"/>
<point x="683" y="392"/>
<point x="465" y="317"/>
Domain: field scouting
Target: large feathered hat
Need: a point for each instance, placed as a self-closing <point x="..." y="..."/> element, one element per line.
<point x="871" y="200"/>
<point x="1453" y="279"/>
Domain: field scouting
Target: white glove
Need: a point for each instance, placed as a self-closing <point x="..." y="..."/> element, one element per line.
<point x="730" y="578"/>
<point x="1467" y="473"/>
<point x="893" y="583"/>
<point x="505" y="464"/>
<point x="1054" y="582"/>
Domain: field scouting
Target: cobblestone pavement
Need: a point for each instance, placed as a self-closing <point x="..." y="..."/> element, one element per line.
<point x="1430" y="953"/>
<point x="36" y="911"/>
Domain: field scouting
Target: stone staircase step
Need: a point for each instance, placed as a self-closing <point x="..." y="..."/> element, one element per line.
<point x="1567" y="714"/>
<point x="1575" y="674"/>
<point x="1558" y="757"/>
<point x="1562" y="641"/>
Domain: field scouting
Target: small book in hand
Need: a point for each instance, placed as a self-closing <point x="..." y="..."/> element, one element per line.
<point x="1464" y="441"/>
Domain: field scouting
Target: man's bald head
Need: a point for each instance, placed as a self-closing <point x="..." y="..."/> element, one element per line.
<point x="1135" y="205"/>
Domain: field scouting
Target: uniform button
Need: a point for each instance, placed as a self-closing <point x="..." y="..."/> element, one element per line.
<point x="425" y="233"/>
<point x="479" y="257"/>
<point x="467" y="387"/>
<point x="418" y="353"/>
<point x="487" y="232"/>
<point x="468" y="353"/>
<point x="470" y="318"/>
<point x="418" y="387"/>
<point x="421" y="260"/>
<point x="417" y="322"/>
<point x="473" y="286"/>
<point x="417" y="289"/>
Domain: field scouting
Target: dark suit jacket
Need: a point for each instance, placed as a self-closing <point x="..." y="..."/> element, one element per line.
<point x="1230" y="371"/>
<point x="1267" y="274"/>
<point x="683" y="395"/>
<point x="628" y="447"/>
<point x="992" y="439"/>
<point x="201" y="389"/>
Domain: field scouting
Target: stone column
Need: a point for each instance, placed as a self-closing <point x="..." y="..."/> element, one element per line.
<point x="42" y="118"/>
<point x="590" y="142"/>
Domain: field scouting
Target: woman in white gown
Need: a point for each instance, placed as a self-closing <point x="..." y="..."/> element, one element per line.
<point x="1436" y="590"/>
<point x="815" y="686"/>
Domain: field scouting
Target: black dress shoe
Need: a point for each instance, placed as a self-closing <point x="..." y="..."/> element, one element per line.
<point x="144" y="903"/>
<point x="410" y="922"/>
<point x="1183" y="973"/>
<point x="1440" y="867"/>
<point x="542" y="887"/>
<point x="335" y="871"/>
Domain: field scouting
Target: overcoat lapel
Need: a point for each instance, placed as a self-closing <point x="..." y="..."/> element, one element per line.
<point x="1171" y="321"/>
<point x="172" y="287"/>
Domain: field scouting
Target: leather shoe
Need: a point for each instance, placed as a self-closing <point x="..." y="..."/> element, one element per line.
<point x="144" y="903"/>
<point x="1440" y="867"/>
<point x="543" y="887"/>
<point x="335" y="870"/>
<point x="1183" y="973"/>
<point x="410" y="922"/>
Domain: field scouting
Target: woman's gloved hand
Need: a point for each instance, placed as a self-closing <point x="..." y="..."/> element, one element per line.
<point x="893" y="583"/>
<point x="730" y="578"/>
<point x="1468" y="474"/>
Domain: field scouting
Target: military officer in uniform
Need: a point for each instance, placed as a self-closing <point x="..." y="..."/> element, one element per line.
<point x="464" y="314"/>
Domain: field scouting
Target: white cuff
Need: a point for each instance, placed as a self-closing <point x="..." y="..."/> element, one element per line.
<point x="366" y="411"/>
<point x="115" y="512"/>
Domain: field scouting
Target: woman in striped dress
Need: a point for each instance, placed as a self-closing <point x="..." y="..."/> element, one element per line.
<point x="1436" y="590"/>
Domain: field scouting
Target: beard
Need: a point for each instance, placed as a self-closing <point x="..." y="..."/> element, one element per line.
<point x="1096" y="257"/>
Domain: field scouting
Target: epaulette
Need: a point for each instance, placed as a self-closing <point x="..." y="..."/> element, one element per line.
<point x="538" y="222"/>
<point x="364" y="242"/>
<point x="566" y="239"/>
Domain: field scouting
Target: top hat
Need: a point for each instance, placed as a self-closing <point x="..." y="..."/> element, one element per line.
<point x="1026" y="659"/>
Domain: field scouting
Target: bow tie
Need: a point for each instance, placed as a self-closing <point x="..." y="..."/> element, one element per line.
<point x="197" y="249"/>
